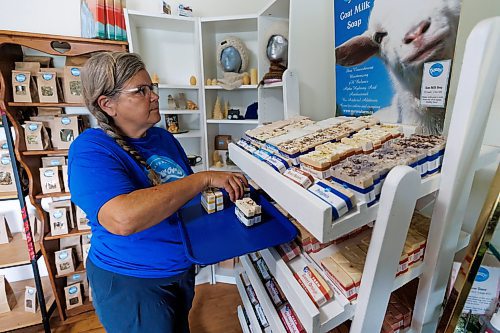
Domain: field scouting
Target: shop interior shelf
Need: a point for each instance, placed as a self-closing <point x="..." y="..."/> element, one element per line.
<point x="85" y="307"/>
<point x="254" y="322"/>
<point x="233" y="122"/>
<point x="176" y="86"/>
<point x="260" y="290"/>
<point x="190" y="134"/>
<point x="15" y="253"/>
<point x="246" y="86"/>
<point x="311" y="212"/>
<point x="78" y="270"/>
<point x="337" y="310"/>
<point x="18" y="318"/>
<point x="57" y="105"/>
<point x="45" y="152"/>
<point x="53" y="195"/>
<point x="73" y="232"/>
<point x="243" y="322"/>
<point x="179" y="112"/>
<point x="8" y="196"/>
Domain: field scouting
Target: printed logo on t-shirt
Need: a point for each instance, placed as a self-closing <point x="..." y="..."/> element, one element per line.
<point x="166" y="168"/>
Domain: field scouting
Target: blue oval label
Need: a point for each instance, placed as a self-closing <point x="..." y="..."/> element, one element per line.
<point x="31" y="291"/>
<point x="57" y="214"/>
<point x="48" y="173"/>
<point x="482" y="275"/>
<point x="32" y="127"/>
<point x="5" y="160"/>
<point x="65" y="121"/>
<point x="55" y="163"/>
<point x="73" y="290"/>
<point x="76" y="277"/>
<point x="436" y="70"/>
<point x="5" y="146"/>
<point x="75" y="71"/>
<point x="47" y="76"/>
<point x="63" y="255"/>
<point x="20" y="78"/>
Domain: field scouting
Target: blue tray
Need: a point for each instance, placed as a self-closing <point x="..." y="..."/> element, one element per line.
<point x="211" y="238"/>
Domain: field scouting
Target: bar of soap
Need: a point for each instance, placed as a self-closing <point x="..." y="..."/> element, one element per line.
<point x="274" y="292"/>
<point x="341" y="200"/>
<point x="288" y="251"/>
<point x="290" y="320"/>
<point x="300" y="177"/>
<point x="314" y="285"/>
<point x="340" y="278"/>
<point x="261" y="316"/>
<point x="248" y="212"/>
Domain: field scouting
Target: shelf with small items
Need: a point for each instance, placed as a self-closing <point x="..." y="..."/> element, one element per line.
<point x="177" y="86"/>
<point x="311" y="211"/>
<point x="188" y="134"/>
<point x="243" y="321"/>
<point x="4" y="196"/>
<point x="272" y="85"/>
<point x="180" y="112"/>
<point x="15" y="252"/>
<point x="80" y="269"/>
<point x="73" y="232"/>
<point x="61" y="152"/>
<point x="18" y="318"/>
<point x="268" y="308"/>
<point x="33" y="104"/>
<point x="52" y="195"/>
<point x="233" y="122"/>
<point x="245" y="86"/>
<point x="254" y="322"/>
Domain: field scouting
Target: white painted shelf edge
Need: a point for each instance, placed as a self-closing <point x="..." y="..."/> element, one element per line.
<point x="311" y="212"/>
<point x="233" y="122"/>
<point x="180" y="112"/>
<point x="260" y="290"/>
<point x="247" y="86"/>
<point x="228" y="18"/>
<point x="243" y="323"/>
<point x="177" y="86"/>
<point x="254" y="322"/>
<point x="161" y="16"/>
<point x="190" y="134"/>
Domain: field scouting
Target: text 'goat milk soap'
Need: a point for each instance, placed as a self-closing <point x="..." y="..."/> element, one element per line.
<point x="315" y="286"/>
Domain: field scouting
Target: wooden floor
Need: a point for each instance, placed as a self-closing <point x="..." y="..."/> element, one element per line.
<point x="214" y="311"/>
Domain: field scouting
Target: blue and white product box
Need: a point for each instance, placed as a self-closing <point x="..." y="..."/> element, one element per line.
<point x="341" y="200"/>
<point x="366" y="194"/>
<point x="262" y="155"/>
<point x="277" y="163"/>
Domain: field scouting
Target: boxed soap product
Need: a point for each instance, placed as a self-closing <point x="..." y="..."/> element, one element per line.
<point x="76" y="278"/>
<point x="64" y="131"/>
<point x="7" y="298"/>
<point x="59" y="221"/>
<point x="7" y="183"/>
<point x="248" y="212"/>
<point x="47" y="87"/>
<point x="65" y="261"/>
<point x="72" y="243"/>
<point x="314" y="285"/>
<point x="50" y="180"/>
<point x="85" y="249"/>
<point x="23" y="87"/>
<point x="72" y="85"/>
<point x="69" y="208"/>
<point x="82" y="222"/>
<point x="30" y="300"/>
<point x="36" y="228"/>
<point x="36" y="136"/>
<point x="290" y="319"/>
<point x="5" y="234"/>
<point x="74" y="297"/>
<point x="52" y="161"/>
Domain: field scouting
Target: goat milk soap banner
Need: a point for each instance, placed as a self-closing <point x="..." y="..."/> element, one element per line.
<point x="381" y="48"/>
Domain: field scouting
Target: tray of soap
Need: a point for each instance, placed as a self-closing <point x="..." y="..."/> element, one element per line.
<point x="211" y="238"/>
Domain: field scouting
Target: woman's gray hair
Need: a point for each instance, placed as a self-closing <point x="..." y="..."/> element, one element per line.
<point x="105" y="74"/>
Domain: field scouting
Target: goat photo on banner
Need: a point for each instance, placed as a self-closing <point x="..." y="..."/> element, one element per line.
<point x="381" y="47"/>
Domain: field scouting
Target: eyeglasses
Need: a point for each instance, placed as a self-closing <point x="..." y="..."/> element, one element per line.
<point x="143" y="90"/>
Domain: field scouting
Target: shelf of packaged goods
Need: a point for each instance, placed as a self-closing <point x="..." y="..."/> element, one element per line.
<point x="179" y="112"/>
<point x="73" y="232"/>
<point x="85" y="307"/>
<point x="190" y="134"/>
<point x="80" y="269"/>
<point x="176" y="86"/>
<point x="241" y="316"/>
<point x="8" y="196"/>
<point x="272" y="316"/>
<point x="254" y="322"/>
<point x="233" y="122"/>
<point x="312" y="213"/>
<point x="18" y="318"/>
<point x="15" y="253"/>
<point x="63" y="152"/>
<point x="57" y="105"/>
<point x="53" y="195"/>
<point x="246" y="86"/>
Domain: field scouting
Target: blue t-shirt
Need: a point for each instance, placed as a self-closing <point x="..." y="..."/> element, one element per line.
<point x="99" y="170"/>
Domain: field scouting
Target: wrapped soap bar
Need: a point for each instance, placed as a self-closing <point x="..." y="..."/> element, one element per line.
<point x="314" y="285"/>
<point x="300" y="177"/>
<point x="245" y="279"/>
<point x="261" y="316"/>
<point x="288" y="251"/>
<point x="262" y="155"/>
<point x="255" y="256"/>
<point x="246" y="145"/>
<point x="252" y="296"/>
<point x="341" y="199"/>
<point x="263" y="270"/>
<point x="277" y="163"/>
<point x="275" y="292"/>
<point x="343" y="281"/>
<point x="208" y="201"/>
<point x="290" y="319"/>
<point x="248" y="212"/>
<point x="317" y="163"/>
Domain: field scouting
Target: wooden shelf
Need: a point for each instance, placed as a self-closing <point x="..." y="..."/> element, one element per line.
<point x="15" y="253"/>
<point x="8" y="196"/>
<point x="86" y="307"/>
<point x="53" y="195"/>
<point x="246" y="86"/>
<point x="179" y="112"/>
<point x="18" y="318"/>
<point x="59" y="105"/>
<point x="176" y="86"/>
<point x="73" y="232"/>
<point x="80" y="269"/>
<point x="45" y="152"/>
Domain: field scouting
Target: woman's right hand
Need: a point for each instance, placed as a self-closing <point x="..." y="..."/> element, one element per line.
<point x="234" y="183"/>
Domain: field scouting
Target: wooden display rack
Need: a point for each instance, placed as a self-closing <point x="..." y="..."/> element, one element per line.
<point x="11" y="44"/>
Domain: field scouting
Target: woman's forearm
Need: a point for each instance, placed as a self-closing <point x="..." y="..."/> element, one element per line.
<point x="130" y="213"/>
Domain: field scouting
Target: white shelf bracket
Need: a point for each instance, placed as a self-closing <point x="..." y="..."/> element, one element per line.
<point x="291" y="94"/>
<point x="397" y="203"/>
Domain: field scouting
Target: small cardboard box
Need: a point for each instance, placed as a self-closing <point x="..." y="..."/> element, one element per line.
<point x="65" y="130"/>
<point x="36" y="135"/>
<point x="222" y="142"/>
<point x="50" y="180"/>
<point x="29" y="66"/>
<point x="5" y="234"/>
<point x="36" y="228"/>
<point x="65" y="261"/>
<point x="7" y="298"/>
<point x="86" y="238"/>
<point x="49" y="111"/>
<point x="72" y="243"/>
<point x="64" y="170"/>
<point x="22" y="87"/>
<point x="74" y="297"/>
<point x="7" y="183"/>
<point x="72" y="85"/>
<point x="86" y="249"/>
<point x="69" y="207"/>
<point x="82" y="222"/>
<point x="59" y="221"/>
<point x="30" y="300"/>
<point x="43" y="61"/>
<point x="53" y="161"/>
<point x="76" y="278"/>
<point x="47" y="87"/>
